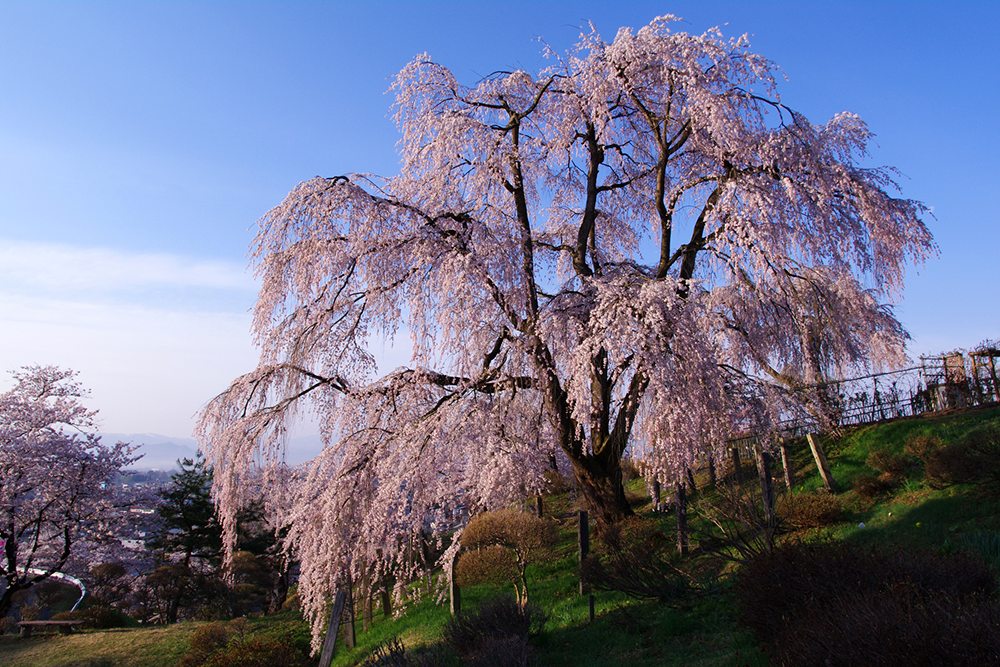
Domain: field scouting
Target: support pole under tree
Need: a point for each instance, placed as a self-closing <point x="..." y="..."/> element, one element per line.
<point x="583" y="536"/>
<point x="711" y="471"/>
<point x="539" y="506"/>
<point x="454" y="591"/>
<point x="656" y="495"/>
<point x="690" y="480"/>
<point x="366" y="608"/>
<point x="386" y="595"/>
<point x="330" y="642"/>
<point x="786" y="463"/>
<point x="583" y="540"/>
<point x="680" y="505"/>
<point x="766" y="483"/>
<point x="384" y="592"/>
<point x="425" y="555"/>
<point x="737" y="465"/>
<point x="820" y="457"/>
<point x="350" y="639"/>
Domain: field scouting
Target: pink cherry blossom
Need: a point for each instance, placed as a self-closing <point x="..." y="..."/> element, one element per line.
<point x="640" y="248"/>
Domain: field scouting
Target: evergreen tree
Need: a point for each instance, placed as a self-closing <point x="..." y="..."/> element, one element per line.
<point x="190" y="527"/>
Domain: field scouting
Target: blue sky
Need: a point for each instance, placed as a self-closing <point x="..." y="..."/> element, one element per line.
<point x="141" y="141"/>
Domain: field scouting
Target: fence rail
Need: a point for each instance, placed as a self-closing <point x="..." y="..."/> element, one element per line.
<point x="953" y="380"/>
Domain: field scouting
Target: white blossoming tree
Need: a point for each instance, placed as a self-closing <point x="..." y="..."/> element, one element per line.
<point x="640" y="246"/>
<point x="56" y="493"/>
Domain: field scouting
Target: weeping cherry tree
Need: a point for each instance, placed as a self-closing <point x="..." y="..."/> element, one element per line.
<point x="641" y="246"/>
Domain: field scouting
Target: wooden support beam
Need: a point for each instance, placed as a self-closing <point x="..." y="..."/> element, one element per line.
<point x="330" y="642"/>
<point x="821" y="463"/>
<point x="583" y="540"/>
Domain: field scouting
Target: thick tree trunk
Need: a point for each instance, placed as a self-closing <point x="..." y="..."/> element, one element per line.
<point x="602" y="491"/>
<point x="7" y="600"/>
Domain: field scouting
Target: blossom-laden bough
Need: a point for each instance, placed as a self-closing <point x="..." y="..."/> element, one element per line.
<point x="640" y="246"/>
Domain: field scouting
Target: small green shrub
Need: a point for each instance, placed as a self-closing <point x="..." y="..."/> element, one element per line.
<point x="498" y="617"/>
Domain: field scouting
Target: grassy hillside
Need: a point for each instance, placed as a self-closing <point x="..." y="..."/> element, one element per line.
<point x="696" y="630"/>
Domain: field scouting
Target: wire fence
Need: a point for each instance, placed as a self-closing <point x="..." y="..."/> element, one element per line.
<point x="959" y="379"/>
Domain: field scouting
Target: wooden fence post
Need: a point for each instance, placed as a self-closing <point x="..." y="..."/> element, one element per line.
<point x="330" y="642"/>
<point x="680" y="505"/>
<point x="824" y="467"/>
<point x="786" y="463"/>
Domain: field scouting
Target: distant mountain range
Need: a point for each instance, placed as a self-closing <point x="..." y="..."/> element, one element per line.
<point x="162" y="452"/>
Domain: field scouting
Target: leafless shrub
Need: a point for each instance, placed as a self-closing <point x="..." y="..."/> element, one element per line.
<point x="886" y="606"/>
<point x="390" y="653"/>
<point x="975" y="460"/>
<point x="511" y="651"/>
<point x="631" y="557"/>
<point x="468" y="633"/>
<point x="741" y="526"/>
<point x="919" y="446"/>
<point x="809" y="510"/>
<point x="869" y="486"/>
<point x="887" y="462"/>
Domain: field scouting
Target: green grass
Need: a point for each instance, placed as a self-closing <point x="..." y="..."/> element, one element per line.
<point x="699" y="631"/>
<point x="144" y="647"/>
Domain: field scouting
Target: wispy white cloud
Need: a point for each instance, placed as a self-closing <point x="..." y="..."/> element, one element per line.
<point x="62" y="268"/>
<point x="154" y="336"/>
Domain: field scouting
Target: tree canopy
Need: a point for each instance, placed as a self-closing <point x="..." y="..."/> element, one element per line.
<point x="56" y="490"/>
<point x="640" y="246"/>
